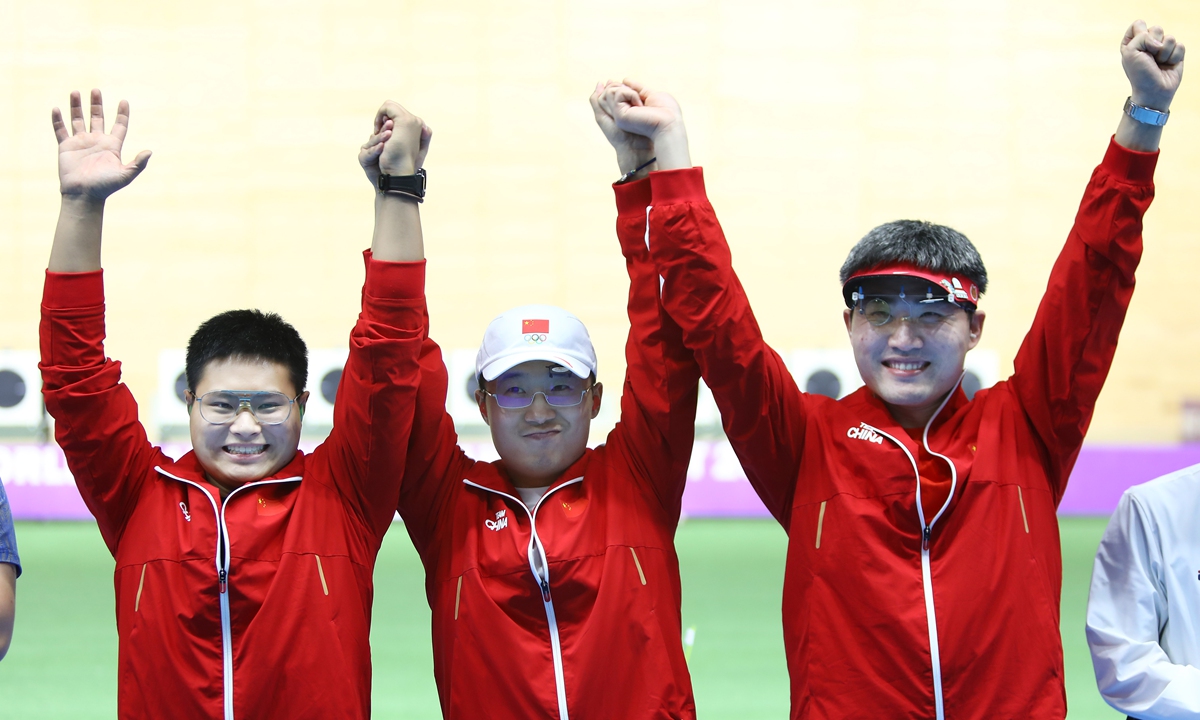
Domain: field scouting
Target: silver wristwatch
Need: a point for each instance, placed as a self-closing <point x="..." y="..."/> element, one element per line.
<point x="1145" y="115"/>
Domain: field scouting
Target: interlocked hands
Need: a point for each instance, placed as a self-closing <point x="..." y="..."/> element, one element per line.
<point x="640" y="124"/>
<point x="397" y="146"/>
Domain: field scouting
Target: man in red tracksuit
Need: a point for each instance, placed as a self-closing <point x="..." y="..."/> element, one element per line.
<point x="923" y="569"/>
<point x="552" y="572"/>
<point x="243" y="569"/>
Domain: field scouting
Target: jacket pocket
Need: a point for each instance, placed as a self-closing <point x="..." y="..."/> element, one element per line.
<point x="321" y="574"/>
<point x="638" y="564"/>
<point x="458" y="596"/>
<point x="820" y="523"/>
<point x="137" y="601"/>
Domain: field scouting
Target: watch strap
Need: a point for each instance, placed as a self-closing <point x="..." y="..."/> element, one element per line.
<point x="411" y="185"/>
<point x="1145" y="115"/>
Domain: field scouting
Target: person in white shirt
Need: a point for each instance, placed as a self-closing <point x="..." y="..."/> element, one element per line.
<point x="1143" y="619"/>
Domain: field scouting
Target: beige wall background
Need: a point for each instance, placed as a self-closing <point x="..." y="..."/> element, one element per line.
<point x="814" y="122"/>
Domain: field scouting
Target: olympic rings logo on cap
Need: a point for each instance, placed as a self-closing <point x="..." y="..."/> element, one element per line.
<point x="536" y="338"/>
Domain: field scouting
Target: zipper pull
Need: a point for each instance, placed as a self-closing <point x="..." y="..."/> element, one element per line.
<point x="545" y="590"/>
<point x="925" y="537"/>
<point x="222" y="585"/>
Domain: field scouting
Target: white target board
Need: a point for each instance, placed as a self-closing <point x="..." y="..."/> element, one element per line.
<point x="21" y="405"/>
<point x="170" y="409"/>
<point x="460" y="391"/>
<point x="324" y="374"/>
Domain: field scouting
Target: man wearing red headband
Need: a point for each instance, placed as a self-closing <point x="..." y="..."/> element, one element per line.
<point x="923" y="570"/>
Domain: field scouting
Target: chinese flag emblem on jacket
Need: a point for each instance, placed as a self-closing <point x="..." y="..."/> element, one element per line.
<point x="535" y="326"/>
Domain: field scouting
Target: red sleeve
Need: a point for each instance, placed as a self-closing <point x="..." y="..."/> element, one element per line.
<point x="761" y="408"/>
<point x="435" y="466"/>
<point x="373" y="415"/>
<point x="658" y="401"/>
<point x="1063" y="361"/>
<point x="95" y="415"/>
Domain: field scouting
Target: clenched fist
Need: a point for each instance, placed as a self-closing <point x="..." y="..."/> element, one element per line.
<point x="1153" y="62"/>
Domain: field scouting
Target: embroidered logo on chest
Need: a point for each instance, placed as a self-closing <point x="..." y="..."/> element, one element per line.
<point x="574" y="508"/>
<point x="862" y="432"/>
<point x="270" y="506"/>
<point x="499" y="523"/>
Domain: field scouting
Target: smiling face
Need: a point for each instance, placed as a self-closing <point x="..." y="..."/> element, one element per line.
<point x="539" y="442"/>
<point x="244" y="450"/>
<point x="913" y="364"/>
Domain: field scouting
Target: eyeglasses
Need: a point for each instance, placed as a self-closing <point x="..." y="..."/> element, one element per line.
<point x="880" y="310"/>
<point x="559" y="396"/>
<point x="221" y="407"/>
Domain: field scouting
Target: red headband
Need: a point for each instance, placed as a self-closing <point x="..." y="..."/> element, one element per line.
<point x="959" y="288"/>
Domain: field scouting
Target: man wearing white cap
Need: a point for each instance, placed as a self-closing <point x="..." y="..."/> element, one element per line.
<point x="552" y="572"/>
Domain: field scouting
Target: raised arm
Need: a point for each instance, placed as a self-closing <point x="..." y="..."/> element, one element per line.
<point x="89" y="171"/>
<point x="1064" y="360"/>
<point x="1153" y="62"/>
<point x="96" y="421"/>
<point x="373" y="415"/>
<point x="397" y="147"/>
<point x="761" y="408"/>
<point x="658" y="401"/>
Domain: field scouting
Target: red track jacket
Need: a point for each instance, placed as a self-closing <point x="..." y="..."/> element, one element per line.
<point x="286" y="634"/>
<point x="600" y="639"/>
<point x="877" y="622"/>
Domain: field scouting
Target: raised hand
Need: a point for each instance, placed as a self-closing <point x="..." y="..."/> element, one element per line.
<point x="633" y="150"/>
<point x="654" y="115"/>
<point x="398" y="144"/>
<point x="1153" y="62"/>
<point x="89" y="160"/>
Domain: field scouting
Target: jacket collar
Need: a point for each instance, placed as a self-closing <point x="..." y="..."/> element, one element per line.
<point x="875" y="412"/>
<point x="499" y="480"/>
<point x="189" y="468"/>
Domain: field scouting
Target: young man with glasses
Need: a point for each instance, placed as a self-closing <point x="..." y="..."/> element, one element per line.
<point x="552" y="573"/>
<point x="923" y="569"/>
<point x="243" y="569"/>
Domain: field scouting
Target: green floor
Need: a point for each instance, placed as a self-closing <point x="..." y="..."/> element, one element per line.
<point x="62" y="662"/>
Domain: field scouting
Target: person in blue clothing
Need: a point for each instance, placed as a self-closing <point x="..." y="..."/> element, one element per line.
<point x="10" y="570"/>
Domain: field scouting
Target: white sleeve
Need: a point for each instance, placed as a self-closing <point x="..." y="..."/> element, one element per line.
<point x="1127" y="609"/>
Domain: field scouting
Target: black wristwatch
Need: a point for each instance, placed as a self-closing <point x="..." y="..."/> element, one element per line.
<point x="410" y="185"/>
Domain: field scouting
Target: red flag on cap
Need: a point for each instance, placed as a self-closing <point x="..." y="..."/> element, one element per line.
<point x="535" y="326"/>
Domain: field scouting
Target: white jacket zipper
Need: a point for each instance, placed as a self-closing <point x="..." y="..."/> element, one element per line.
<point x="935" y="657"/>
<point x="542" y="577"/>
<point x="222" y="563"/>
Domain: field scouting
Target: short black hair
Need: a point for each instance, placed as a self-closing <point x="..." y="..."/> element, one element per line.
<point x="247" y="335"/>
<point x="919" y="243"/>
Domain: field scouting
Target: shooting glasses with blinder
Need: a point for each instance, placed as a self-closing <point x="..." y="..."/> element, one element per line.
<point x="929" y="297"/>
<point x="221" y="407"/>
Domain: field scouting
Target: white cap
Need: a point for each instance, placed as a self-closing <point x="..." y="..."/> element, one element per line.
<point x="535" y="332"/>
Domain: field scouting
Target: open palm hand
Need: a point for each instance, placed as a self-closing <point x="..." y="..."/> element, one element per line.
<point x="89" y="159"/>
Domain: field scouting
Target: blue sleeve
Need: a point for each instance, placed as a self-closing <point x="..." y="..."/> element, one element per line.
<point x="8" y="537"/>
